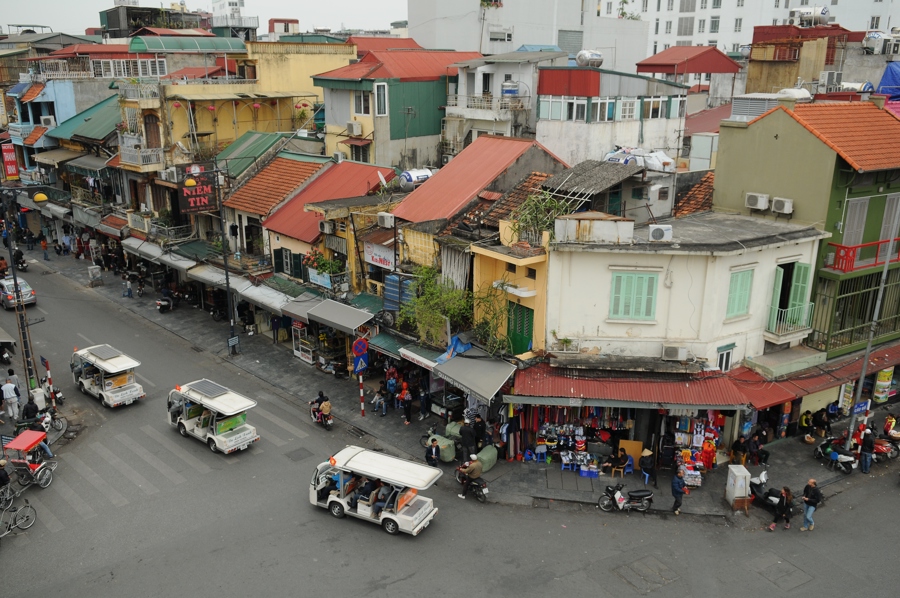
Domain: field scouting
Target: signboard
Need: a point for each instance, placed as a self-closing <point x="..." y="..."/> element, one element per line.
<point x="860" y="408"/>
<point x="10" y="165"/>
<point x="201" y="197"/>
<point x="234" y="341"/>
<point x="360" y="363"/>
<point x="883" y="385"/>
<point x="45" y="363"/>
<point x="360" y="347"/>
<point x="230" y="423"/>
<point x="417" y="359"/>
<point x="323" y="280"/>
<point x="379" y="255"/>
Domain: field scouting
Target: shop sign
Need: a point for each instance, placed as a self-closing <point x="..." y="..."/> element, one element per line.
<point x="10" y="166"/>
<point x="575" y="402"/>
<point x="323" y="280"/>
<point x="419" y="361"/>
<point x="846" y="396"/>
<point x="199" y="198"/>
<point x="379" y="255"/>
<point x="883" y="385"/>
<point x="860" y="408"/>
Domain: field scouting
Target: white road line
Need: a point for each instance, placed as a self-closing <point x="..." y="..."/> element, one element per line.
<point x="278" y="421"/>
<point x="75" y="501"/>
<point x="45" y="517"/>
<point x="123" y="468"/>
<point x="96" y="481"/>
<point x="144" y="380"/>
<point x="178" y="451"/>
<point x="43" y="311"/>
<point x="86" y="339"/>
<point x="151" y="459"/>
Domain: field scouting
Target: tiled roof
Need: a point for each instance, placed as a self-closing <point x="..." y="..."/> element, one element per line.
<point x="406" y="65"/>
<point x="698" y="199"/>
<point x="114" y="221"/>
<point x="515" y="198"/>
<point x="689" y="59"/>
<point x="272" y="185"/>
<point x="35" y="135"/>
<point x="468" y="174"/>
<point x="374" y="44"/>
<point x="347" y="179"/>
<point x="861" y="133"/>
<point x="33" y="92"/>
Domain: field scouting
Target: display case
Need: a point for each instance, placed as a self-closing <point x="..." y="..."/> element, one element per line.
<point x="447" y="406"/>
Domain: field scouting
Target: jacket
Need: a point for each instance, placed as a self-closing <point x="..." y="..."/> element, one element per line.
<point x="646" y="463"/>
<point x="782" y="507"/>
<point x="467" y="434"/>
<point x="325" y="407"/>
<point x="30" y="411"/>
<point x="474" y="470"/>
<point x="812" y="495"/>
<point x="868" y="443"/>
<point x="433" y="452"/>
<point x="4" y="478"/>
<point x="677" y="486"/>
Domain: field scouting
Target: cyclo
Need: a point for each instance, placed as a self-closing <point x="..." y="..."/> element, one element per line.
<point x="27" y="459"/>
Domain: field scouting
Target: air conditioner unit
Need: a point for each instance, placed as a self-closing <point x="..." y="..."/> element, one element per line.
<point x="354" y="128"/>
<point x="326" y="227"/>
<point x="48" y="121"/>
<point x="660" y="233"/>
<point x="385" y="220"/>
<point x="674" y="353"/>
<point x="756" y="201"/>
<point x="169" y="174"/>
<point x="445" y="159"/>
<point x="838" y="77"/>
<point x="781" y="205"/>
<point x="338" y="157"/>
<point x="826" y="78"/>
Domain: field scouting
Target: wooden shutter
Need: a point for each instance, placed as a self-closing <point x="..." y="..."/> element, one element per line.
<point x="633" y="296"/>
<point x="799" y="285"/>
<point x="297" y="271"/>
<point x="891" y="205"/>
<point x="278" y="260"/>
<point x="776" y="297"/>
<point x="855" y="224"/>
<point x="739" y="293"/>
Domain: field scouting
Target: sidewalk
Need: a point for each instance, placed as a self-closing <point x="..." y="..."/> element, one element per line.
<point x="517" y="483"/>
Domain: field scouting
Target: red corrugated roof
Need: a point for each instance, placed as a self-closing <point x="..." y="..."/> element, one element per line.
<point x="347" y="179"/>
<point x="760" y="392"/>
<point x="272" y="185"/>
<point x="196" y="72"/>
<point x="689" y="59"/>
<point x="376" y="44"/>
<point x="114" y="162"/>
<point x="406" y="65"/>
<point x="460" y="181"/>
<point x="705" y="388"/>
<point x="33" y="92"/>
<point x="88" y="50"/>
<point x="706" y="121"/>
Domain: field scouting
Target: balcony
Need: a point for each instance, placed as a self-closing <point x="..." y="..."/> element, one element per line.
<point x="132" y="153"/>
<point x="486" y="107"/>
<point x="791" y="324"/>
<point x="139" y="91"/>
<point x="236" y="22"/>
<point x="85" y="196"/>
<point x="20" y="130"/>
<point x="171" y="233"/>
<point x="850" y="258"/>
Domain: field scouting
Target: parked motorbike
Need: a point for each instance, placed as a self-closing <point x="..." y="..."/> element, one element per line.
<point x="5" y="357"/>
<point x="140" y="286"/>
<point x="48" y="418"/>
<point x="337" y="368"/>
<point x="846" y="460"/>
<point x="326" y="421"/>
<point x="60" y="398"/>
<point x="767" y="497"/>
<point x="612" y="499"/>
<point x="167" y="303"/>
<point x="884" y="450"/>
<point x="478" y="486"/>
<point x="218" y="314"/>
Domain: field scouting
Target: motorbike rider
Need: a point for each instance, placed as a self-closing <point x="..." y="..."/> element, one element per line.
<point x="889" y="422"/>
<point x="30" y="410"/>
<point x="18" y="256"/>
<point x="320" y="402"/>
<point x="471" y="472"/>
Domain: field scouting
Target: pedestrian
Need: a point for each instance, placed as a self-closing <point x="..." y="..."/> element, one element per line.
<point x="812" y="496"/>
<point x="467" y="435"/>
<point x="66" y="244"/>
<point x="783" y="509"/>
<point x="11" y="398"/>
<point x="648" y="465"/>
<point x="480" y="429"/>
<point x="30" y="410"/>
<point x="406" y="400"/>
<point x="424" y="401"/>
<point x="866" y="450"/>
<point x="29" y="240"/>
<point x="380" y="401"/>
<point x="44" y="248"/>
<point x="126" y="291"/>
<point x="11" y="374"/>
<point x="678" y="491"/>
<point x="433" y="453"/>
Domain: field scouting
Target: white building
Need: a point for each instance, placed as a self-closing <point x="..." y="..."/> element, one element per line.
<point x="713" y="289"/>
<point x="496" y="28"/>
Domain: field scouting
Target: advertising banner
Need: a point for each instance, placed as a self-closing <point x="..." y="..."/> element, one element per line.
<point x="379" y="255"/>
<point x="883" y="385"/>
<point x="201" y="197"/>
<point x="10" y="166"/>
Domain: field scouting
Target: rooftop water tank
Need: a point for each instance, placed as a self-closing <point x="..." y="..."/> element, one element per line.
<point x="509" y="88"/>
<point x="589" y="58"/>
<point x="410" y="179"/>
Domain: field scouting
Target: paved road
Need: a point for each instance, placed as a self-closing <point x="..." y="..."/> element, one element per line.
<point x="136" y="510"/>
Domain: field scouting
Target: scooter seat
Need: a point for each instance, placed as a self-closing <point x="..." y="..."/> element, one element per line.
<point x="640" y="494"/>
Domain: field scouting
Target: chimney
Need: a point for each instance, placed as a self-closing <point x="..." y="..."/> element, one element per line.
<point x="787" y="103"/>
<point x="878" y="100"/>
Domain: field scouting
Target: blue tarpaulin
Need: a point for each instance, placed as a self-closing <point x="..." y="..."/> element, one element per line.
<point x="456" y="347"/>
<point x="890" y="81"/>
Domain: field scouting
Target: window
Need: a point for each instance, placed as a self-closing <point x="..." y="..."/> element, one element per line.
<point x="531" y="273"/>
<point x="381" y="99"/>
<point x="737" y="25"/>
<point x="739" y="294"/>
<point x="701" y="26"/>
<point x="740" y="3"/>
<point x="804" y="2"/>
<point x="544" y="107"/>
<point x="668" y="26"/>
<point x="633" y="296"/>
<point x="654" y="108"/>
<point x="774" y="21"/>
<point x="603" y="110"/>
<point x="286" y="261"/>
<point x="576" y="109"/>
<point x="128" y="68"/>
<point x="777" y="2"/>
<point x="500" y="36"/>
<point x="511" y="268"/>
<point x="686" y="26"/>
<point x="724" y="360"/>
<point x="717" y="3"/>
<point x="677" y="105"/>
<point x="359" y="153"/>
<point x="361" y="102"/>
<point x="507" y="77"/>
<point x="875" y="23"/>
<point x="654" y="47"/>
<point x="703" y="4"/>
<point x="556" y="108"/>
<point x="735" y="47"/>
<point x="670" y="4"/>
<point x="656" y="27"/>
<point x="644" y="6"/>
<point x="666" y="46"/>
<point x="609" y="8"/>
<point x="714" y="25"/>
<point x="688" y="6"/>
<point x="628" y="109"/>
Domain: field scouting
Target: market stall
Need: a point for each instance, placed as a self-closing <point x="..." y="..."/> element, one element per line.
<point x="338" y="326"/>
<point x="303" y="341"/>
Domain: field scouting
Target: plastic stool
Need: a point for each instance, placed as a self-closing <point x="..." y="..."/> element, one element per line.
<point x="571" y="466"/>
<point x="646" y="477"/>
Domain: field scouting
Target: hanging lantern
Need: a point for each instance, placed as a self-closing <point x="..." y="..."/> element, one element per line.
<point x="273" y="102"/>
<point x="256" y="106"/>
<point x="211" y="108"/>
<point x="298" y="106"/>
<point x="176" y="104"/>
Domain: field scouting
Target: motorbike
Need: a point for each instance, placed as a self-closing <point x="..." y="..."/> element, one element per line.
<point x="218" y="314"/>
<point x="22" y="265"/>
<point x="767" y="497"/>
<point x="48" y="417"/>
<point x="337" y="368"/>
<point x="167" y="303"/>
<point x="5" y="356"/>
<point x="58" y="394"/>
<point x="326" y="421"/>
<point x="846" y="460"/>
<point x="478" y="486"/>
<point x="140" y="286"/>
<point x="884" y="450"/>
<point x="612" y="499"/>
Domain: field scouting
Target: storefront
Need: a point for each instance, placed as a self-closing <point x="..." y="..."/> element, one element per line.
<point x="420" y="362"/>
<point x="260" y="308"/>
<point x="150" y="253"/>
<point x="473" y="378"/>
<point x="302" y="338"/>
<point x="338" y="325"/>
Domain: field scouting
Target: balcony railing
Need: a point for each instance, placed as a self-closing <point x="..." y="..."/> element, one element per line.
<point x="85" y="196"/>
<point x="131" y="152"/>
<point x="240" y="22"/>
<point x="489" y="102"/>
<point x="172" y="233"/>
<point x="791" y="320"/>
<point x="848" y="258"/>
<point x="139" y="221"/>
<point x="139" y="91"/>
<point x="22" y="130"/>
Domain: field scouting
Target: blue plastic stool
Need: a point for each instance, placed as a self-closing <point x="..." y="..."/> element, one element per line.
<point x="571" y="466"/>
<point x="646" y="477"/>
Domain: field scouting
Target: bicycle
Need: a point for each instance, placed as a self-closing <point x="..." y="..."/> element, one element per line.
<point x="7" y="496"/>
<point x="19" y="518"/>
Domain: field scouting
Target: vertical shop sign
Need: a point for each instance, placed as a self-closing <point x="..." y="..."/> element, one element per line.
<point x="10" y="165"/>
<point x="883" y="385"/>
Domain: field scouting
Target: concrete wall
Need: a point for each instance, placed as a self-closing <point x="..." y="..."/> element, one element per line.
<point x="859" y="67"/>
<point x="724" y="86"/>
<point x="278" y="241"/>
<point x="290" y="67"/>
<point x="575" y="142"/>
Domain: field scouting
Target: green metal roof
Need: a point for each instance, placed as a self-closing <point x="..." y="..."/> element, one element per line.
<point x="385" y="342"/>
<point x="288" y="155"/>
<point x="289" y="287"/>
<point x="240" y="155"/>
<point x="311" y="38"/>
<point x="197" y="250"/>
<point x="97" y="122"/>
<point x="149" y="43"/>
<point x="371" y="303"/>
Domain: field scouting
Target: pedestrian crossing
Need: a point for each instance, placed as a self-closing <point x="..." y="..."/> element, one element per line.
<point x="121" y="470"/>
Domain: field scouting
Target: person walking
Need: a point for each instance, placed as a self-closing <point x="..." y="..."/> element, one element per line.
<point x="812" y="496"/>
<point x="11" y="374"/>
<point x="126" y="290"/>
<point x="29" y="240"/>
<point x="866" y="450"/>
<point x="648" y="465"/>
<point x="11" y="398"/>
<point x="44" y="249"/>
<point x="66" y="244"/>
<point x="405" y="398"/>
<point x="678" y="491"/>
<point x="783" y="509"/>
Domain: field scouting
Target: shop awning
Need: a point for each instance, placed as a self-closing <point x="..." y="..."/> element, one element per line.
<point x="208" y="275"/>
<point x="421" y="356"/>
<point x="144" y="249"/>
<point x="173" y="260"/>
<point x="761" y="393"/>
<point x="24" y="200"/>
<point x="264" y="297"/>
<point x="476" y="372"/>
<point x="6" y="337"/>
<point x="571" y="402"/>
<point x="55" y="157"/>
<point x="356" y="142"/>
<point x="87" y="165"/>
<point x="113" y="226"/>
<point x="89" y="217"/>
<point x="388" y="344"/>
<point x="339" y="316"/>
<point x="52" y="210"/>
<point x="298" y="307"/>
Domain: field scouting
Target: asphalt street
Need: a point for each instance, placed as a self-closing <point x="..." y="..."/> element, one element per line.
<point x="137" y="510"/>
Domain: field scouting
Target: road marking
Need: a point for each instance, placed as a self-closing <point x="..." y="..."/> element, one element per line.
<point x="96" y="481"/>
<point x="75" y="501"/>
<point x="151" y="459"/>
<point x="43" y="311"/>
<point x="145" y="380"/>
<point x="123" y="468"/>
<point x="281" y="424"/>
<point x="178" y="451"/>
<point x="86" y="339"/>
<point x="45" y="517"/>
<point x="269" y="437"/>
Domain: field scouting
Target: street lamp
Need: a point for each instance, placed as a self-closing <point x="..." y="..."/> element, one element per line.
<point x="232" y="344"/>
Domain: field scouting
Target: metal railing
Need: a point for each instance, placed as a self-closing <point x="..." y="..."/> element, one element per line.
<point x="790" y="320"/>
<point x="226" y="21"/>
<point x="142" y="157"/>
<point x="172" y="233"/>
<point x="139" y="91"/>
<point x="22" y="130"/>
<point x="86" y="196"/>
<point x="848" y="258"/>
<point x="138" y="221"/>
<point x="489" y="102"/>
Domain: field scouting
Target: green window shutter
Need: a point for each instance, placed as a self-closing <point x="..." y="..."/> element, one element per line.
<point x="633" y="296"/>
<point x="739" y="293"/>
<point x="776" y="297"/>
<point x="799" y="285"/>
<point x="615" y="301"/>
<point x="277" y="260"/>
<point x="298" y="265"/>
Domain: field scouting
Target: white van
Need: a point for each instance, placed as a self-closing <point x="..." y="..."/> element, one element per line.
<point x="336" y="484"/>
<point x="107" y="374"/>
<point x="212" y="414"/>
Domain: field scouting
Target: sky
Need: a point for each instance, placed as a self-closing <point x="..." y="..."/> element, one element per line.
<point x="74" y="16"/>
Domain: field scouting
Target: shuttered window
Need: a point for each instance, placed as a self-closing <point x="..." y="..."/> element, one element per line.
<point x="739" y="294"/>
<point x="633" y="296"/>
<point x="686" y="26"/>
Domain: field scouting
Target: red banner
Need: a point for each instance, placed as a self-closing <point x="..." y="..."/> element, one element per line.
<point x="10" y="166"/>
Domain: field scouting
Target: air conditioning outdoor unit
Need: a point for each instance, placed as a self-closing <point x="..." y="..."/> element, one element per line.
<point x="326" y="227"/>
<point x="169" y="174"/>
<point x="781" y="205"/>
<point x="826" y="78"/>
<point x="48" y="121"/>
<point x="674" y="353"/>
<point x="354" y="128"/>
<point x="660" y="233"/>
<point x="445" y="159"/>
<point x="338" y="157"/>
<point x="756" y="201"/>
<point x="385" y="220"/>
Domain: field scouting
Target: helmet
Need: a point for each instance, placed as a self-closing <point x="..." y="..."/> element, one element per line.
<point x="2" y="462"/>
<point x="473" y="457"/>
<point x="321" y="394"/>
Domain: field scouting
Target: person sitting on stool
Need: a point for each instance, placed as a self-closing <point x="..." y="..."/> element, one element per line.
<point x="757" y="451"/>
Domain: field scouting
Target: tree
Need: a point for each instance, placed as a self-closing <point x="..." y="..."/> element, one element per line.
<point x="436" y="300"/>
<point x="491" y="315"/>
<point x="537" y="214"/>
<point x="624" y="14"/>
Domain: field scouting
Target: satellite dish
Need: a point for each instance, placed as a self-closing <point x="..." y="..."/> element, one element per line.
<point x="381" y="178"/>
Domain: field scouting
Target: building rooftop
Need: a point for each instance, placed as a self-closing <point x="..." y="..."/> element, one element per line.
<point x="272" y="185"/>
<point x="591" y="177"/>
<point x="96" y="123"/>
<point x="680" y="60"/>
<point x="706" y="121"/>
<point x="698" y="199"/>
<point x="512" y="58"/>
<point x="372" y="44"/>
<point x="403" y="64"/>
<point x="245" y="150"/>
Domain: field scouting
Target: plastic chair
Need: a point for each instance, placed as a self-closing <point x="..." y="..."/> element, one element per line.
<point x="629" y="467"/>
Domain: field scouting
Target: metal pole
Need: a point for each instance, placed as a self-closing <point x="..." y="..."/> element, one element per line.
<point x="21" y="322"/>
<point x="362" y="397"/>
<point x="232" y="348"/>
<point x="895" y="225"/>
